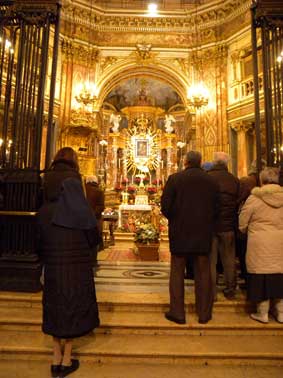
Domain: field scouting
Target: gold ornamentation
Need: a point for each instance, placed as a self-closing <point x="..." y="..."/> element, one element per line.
<point x="243" y="126"/>
<point x="83" y="118"/>
<point x="142" y="146"/>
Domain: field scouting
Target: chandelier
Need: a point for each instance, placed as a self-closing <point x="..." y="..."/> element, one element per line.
<point x="198" y="95"/>
<point x="86" y="94"/>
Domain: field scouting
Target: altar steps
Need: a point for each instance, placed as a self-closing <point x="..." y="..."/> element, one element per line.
<point x="133" y="330"/>
<point x="88" y="369"/>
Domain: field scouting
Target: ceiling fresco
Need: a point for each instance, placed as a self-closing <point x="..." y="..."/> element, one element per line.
<point x="143" y="91"/>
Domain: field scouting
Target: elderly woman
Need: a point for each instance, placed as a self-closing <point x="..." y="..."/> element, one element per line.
<point x="262" y="218"/>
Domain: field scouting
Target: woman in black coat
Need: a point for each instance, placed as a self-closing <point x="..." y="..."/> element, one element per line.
<point x="68" y="232"/>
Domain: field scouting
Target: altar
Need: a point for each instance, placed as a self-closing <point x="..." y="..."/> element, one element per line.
<point x="131" y="215"/>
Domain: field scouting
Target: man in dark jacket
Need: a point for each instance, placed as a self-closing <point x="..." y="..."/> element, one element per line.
<point x="189" y="202"/>
<point x="224" y="237"/>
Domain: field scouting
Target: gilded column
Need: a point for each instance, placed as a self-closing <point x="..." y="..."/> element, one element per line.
<point x="170" y="154"/>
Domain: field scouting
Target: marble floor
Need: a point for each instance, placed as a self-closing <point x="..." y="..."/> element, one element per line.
<point x="132" y="275"/>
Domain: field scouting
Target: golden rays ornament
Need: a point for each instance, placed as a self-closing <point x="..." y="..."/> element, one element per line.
<point x="141" y="147"/>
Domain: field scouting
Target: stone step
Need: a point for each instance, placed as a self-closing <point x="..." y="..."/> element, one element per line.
<point x="131" y="302"/>
<point x="149" y="323"/>
<point x="240" y="350"/>
<point x="88" y="369"/>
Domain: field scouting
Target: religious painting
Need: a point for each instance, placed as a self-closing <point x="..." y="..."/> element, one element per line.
<point x="143" y="92"/>
<point x="141" y="148"/>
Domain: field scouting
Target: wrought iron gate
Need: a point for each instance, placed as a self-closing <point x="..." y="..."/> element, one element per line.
<point x="267" y="42"/>
<point x="29" y="36"/>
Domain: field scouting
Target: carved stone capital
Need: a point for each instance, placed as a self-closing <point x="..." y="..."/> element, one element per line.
<point x="243" y="126"/>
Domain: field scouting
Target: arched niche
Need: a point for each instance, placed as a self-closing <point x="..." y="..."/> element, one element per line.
<point x="171" y="78"/>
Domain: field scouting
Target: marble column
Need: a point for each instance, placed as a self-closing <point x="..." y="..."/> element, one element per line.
<point x="242" y="145"/>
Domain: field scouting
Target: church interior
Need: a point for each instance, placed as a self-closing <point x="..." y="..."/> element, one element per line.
<point x="131" y="86"/>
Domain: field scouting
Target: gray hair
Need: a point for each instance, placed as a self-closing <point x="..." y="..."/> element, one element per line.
<point x="193" y="158"/>
<point x="91" y="179"/>
<point x="221" y="158"/>
<point x="269" y="175"/>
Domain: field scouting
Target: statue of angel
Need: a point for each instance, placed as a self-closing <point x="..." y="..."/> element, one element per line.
<point x="115" y="121"/>
<point x="167" y="123"/>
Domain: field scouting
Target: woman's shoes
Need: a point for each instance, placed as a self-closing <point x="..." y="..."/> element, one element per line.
<point x="66" y="370"/>
<point x="58" y="371"/>
<point x="55" y="371"/>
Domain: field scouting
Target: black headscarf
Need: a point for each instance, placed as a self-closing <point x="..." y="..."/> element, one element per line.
<point x="73" y="210"/>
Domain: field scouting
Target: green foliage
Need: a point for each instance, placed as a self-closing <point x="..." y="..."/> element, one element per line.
<point x="147" y="233"/>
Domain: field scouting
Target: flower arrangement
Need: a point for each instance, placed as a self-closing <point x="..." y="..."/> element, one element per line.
<point x="131" y="189"/>
<point x="146" y="180"/>
<point x="151" y="190"/>
<point x="157" y="182"/>
<point x="137" y="180"/>
<point x="146" y="233"/>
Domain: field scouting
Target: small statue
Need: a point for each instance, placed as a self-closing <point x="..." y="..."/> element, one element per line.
<point x="167" y="123"/>
<point x="115" y="121"/>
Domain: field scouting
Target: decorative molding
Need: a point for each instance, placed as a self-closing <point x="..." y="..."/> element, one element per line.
<point x="79" y="52"/>
<point x="207" y="18"/>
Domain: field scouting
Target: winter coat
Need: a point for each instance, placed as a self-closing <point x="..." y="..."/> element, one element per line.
<point x="189" y="201"/>
<point x="95" y="197"/>
<point x="247" y="183"/>
<point x="69" y="299"/>
<point x="262" y="218"/>
<point x="54" y="177"/>
<point x="229" y="193"/>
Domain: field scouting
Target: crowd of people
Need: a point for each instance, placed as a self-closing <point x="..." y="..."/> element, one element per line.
<point x="212" y="216"/>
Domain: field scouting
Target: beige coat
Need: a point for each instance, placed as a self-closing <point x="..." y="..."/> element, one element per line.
<point x="262" y="218"/>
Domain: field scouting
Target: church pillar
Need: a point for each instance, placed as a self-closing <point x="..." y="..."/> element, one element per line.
<point x="242" y="146"/>
<point x="115" y="162"/>
<point x="170" y="153"/>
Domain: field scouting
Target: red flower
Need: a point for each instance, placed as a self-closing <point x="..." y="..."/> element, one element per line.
<point x="137" y="180"/>
<point x="151" y="190"/>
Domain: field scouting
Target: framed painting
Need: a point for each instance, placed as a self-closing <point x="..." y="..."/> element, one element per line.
<point x="141" y="148"/>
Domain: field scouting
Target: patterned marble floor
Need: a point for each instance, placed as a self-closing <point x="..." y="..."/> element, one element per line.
<point x="132" y="275"/>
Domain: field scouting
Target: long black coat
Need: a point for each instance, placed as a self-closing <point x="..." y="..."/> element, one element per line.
<point x="229" y="187"/>
<point x="190" y="201"/>
<point x="69" y="299"/>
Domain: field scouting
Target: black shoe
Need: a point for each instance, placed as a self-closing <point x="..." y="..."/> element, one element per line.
<point x="55" y="370"/>
<point x="204" y="321"/>
<point x="66" y="370"/>
<point x="168" y="316"/>
<point x="230" y="295"/>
